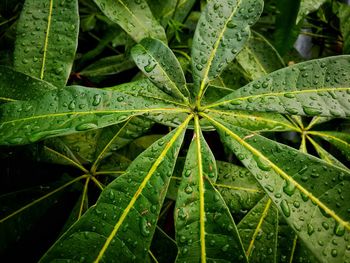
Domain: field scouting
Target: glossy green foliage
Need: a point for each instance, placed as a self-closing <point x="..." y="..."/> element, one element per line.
<point x="158" y="62"/>
<point x="135" y="17"/>
<point x="204" y="149"/>
<point x="222" y="31"/>
<point x="344" y="14"/>
<point x="319" y="87"/>
<point x="307" y="192"/>
<point x="139" y="194"/>
<point x="12" y="83"/>
<point x="204" y="227"/>
<point x="92" y="108"/>
<point x="260" y="237"/>
<point x="259" y="57"/>
<point x="47" y="36"/>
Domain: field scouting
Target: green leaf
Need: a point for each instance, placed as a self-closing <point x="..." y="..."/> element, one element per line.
<point x="326" y="155"/>
<point x="338" y="139"/>
<point x="287" y="30"/>
<point x="259" y="57"/>
<point x="221" y="33"/>
<point x="134" y="17"/>
<point x="111" y="224"/>
<point x="307" y="7"/>
<point x="238" y="187"/>
<point x="310" y="194"/>
<point x="317" y="87"/>
<point x="47" y="37"/>
<point x="258" y="230"/>
<point x="344" y="19"/>
<point x="160" y="65"/>
<point x="254" y="121"/>
<point x="75" y="109"/>
<point x="108" y="66"/>
<point x="117" y="136"/>
<point x="18" y="86"/>
<point x="204" y="226"/>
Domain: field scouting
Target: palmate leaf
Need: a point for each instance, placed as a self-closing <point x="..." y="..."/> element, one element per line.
<point x="47" y="37"/>
<point x="15" y="85"/>
<point x="75" y="109"/>
<point x="221" y="33"/>
<point x="135" y="17"/>
<point x="122" y="223"/>
<point x="258" y="230"/>
<point x="310" y="193"/>
<point x="204" y="227"/>
<point x="317" y="87"/>
<point x="159" y="64"/>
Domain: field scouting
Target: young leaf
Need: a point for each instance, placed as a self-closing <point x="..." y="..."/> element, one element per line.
<point x="204" y="227"/>
<point x="134" y="17"/>
<point x="317" y="87"/>
<point x="74" y="109"/>
<point x="47" y="37"/>
<point x="258" y="230"/>
<point x="221" y="33"/>
<point x="18" y="86"/>
<point x="310" y="193"/>
<point x="111" y="224"/>
<point x="159" y="64"/>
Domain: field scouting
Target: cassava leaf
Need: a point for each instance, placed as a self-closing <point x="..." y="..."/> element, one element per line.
<point x="134" y="17"/>
<point x="111" y="224"/>
<point x="317" y="87"/>
<point x="221" y="33"/>
<point x="254" y="121"/>
<point x="309" y="193"/>
<point x="75" y="109"/>
<point x="47" y="37"/>
<point x="15" y="85"/>
<point x="159" y="64"/>
<point x="204" y="227"/>
<point x="258" y="230"/>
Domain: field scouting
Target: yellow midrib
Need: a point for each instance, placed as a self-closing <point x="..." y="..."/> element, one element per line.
<point x="213" y="52"/>
<point x="46" y="43"/>
<point x="281" y="173"/>
<point x="258" y="227"/>
<point x="277" y="94"/>
<point x="141" y="187"/>
<point x="201" y="191"/>
<point x="252" y="116"/>
<point x="321" y="134"/>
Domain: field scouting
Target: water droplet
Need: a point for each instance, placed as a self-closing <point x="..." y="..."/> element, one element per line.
<point x="339" y="229"/>
<point x="188" y="189"/>
<point x="285" y="208"/>
<point x="144" y="227"/>
<point x="334" y="253"/>
<point x="150" y="66"/>
<point x="262" y="164"/>
<point x="86" y="126"/>
<point x="96" y="100"/>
